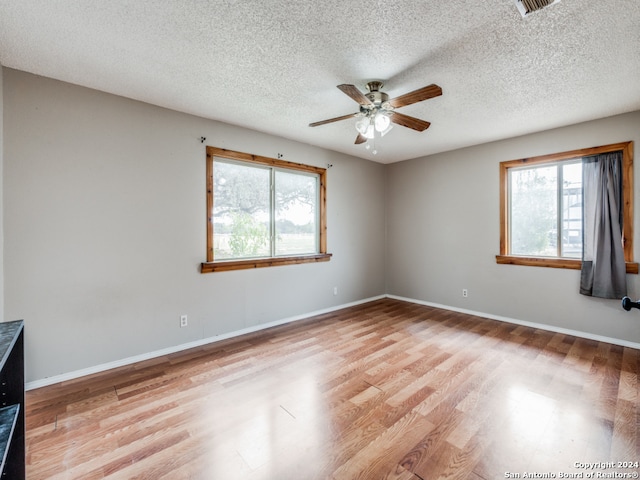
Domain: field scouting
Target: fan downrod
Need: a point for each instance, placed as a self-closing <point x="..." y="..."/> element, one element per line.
<point x="374" y="86"/>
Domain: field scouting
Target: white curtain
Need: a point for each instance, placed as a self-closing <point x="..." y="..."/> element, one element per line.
<point x="603" y="266"/>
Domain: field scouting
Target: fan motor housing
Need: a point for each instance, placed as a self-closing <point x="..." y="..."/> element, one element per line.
<point x="375" y="95"/>
<point x="377" y="98"/>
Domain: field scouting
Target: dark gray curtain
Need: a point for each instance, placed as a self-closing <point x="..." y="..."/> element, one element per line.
<point x="603" y="267"/>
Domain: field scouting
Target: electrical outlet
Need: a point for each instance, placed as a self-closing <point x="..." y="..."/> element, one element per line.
<point x="335" y="290"/>
<point x="183" y="321"/>
<point x="465" y="293"/>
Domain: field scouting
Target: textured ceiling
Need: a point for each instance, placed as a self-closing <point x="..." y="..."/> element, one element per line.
<point x="273" y="66"/>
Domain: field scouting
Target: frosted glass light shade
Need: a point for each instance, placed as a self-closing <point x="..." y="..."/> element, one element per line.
<point x="382" y="122"/>
<point x="370" y="131"/>
<point x="362" y="124"/>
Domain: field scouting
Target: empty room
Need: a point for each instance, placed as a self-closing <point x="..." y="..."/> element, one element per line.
<point x="319" y="240"/>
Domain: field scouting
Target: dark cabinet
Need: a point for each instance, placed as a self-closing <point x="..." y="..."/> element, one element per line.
<point x="12" y="428"/>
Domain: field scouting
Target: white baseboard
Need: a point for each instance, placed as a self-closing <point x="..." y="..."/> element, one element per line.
<point x="205" y="341"/>
<point x="540" y="326"/>
<point x="185" y="346"/>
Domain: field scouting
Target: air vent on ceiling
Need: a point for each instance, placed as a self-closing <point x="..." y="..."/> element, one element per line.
<point x="529" y="6"/>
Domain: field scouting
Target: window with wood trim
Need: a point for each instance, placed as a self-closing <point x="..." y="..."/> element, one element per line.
<point x="541" y="208"/>
<point x="263" y="212"/>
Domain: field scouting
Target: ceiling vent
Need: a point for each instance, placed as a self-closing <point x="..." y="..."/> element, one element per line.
<point x="525" y="7"/>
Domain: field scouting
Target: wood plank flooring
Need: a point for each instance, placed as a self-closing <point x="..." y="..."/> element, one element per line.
<point x="383" y="390"/>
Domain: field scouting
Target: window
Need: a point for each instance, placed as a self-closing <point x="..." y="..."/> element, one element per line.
<point x="545" y="210"/>
<point x="541" y="208"/>
<point x="263" y="212"/>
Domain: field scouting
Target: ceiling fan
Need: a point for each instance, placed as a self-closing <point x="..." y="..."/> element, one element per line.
<point x="377" y="112"/>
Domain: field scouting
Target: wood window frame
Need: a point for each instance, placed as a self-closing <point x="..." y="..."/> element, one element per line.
<point x="627" y="200"/>
<point x="211" y="265"/>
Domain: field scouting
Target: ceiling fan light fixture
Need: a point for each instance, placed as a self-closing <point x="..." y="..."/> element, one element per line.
<point x="362" y="124"/>
<point x="370" y="133"/>
<point x="378" y="112"/>
<point x="386" y="130"/>
<point x="382" y="121"/>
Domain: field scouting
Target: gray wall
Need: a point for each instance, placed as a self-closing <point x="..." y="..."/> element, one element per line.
<point x="443" y="235"/>
<point x="105" y="229"/>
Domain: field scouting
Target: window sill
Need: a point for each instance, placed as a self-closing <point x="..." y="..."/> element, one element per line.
<point x="223" y="266"/>
<point x="632" y="267"/>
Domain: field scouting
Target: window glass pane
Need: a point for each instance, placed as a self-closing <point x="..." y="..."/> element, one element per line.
<point x="296" y="212"/>
<point x="572" y="210"/>
<point x="533" y="211"/>
<point x="240" y="211"/>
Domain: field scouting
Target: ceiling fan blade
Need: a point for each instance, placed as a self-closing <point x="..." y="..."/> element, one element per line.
<point x="331" y="120"/>
<point x="360" y="139"/>
<point x="416" y="96"/>
<point x="354" y="93"/>
<point x="409" y="122"/>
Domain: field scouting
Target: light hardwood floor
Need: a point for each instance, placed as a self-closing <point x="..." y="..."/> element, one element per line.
<point x="384" y="390"/>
